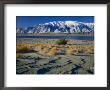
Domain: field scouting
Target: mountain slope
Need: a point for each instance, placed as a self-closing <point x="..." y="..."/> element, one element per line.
<point x="58" y="27"/>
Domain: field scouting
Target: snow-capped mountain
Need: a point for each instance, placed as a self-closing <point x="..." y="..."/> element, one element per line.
<point x="59" y="27"/>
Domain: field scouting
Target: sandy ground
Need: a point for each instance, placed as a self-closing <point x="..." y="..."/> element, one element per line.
<point x="40" y="63"/>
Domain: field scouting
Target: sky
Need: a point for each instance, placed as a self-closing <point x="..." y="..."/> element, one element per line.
<point x="26" y="21"/>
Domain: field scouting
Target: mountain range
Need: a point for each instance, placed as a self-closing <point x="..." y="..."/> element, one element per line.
<point x="58" y="27"/>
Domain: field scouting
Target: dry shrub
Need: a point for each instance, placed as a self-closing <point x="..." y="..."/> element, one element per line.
<point x="54" y="48"/>
<point x="22" y="49"/>
<point x="45" y="50"/>
<point x="66" y="46"/>
<point x="61" y="42"/>
<point x="49" y="46"/>
<point x="39" y="47"/>
<point x="52" y="52"/>
<point x="88" y="49"/>
<point x="55" y="45"/>
<point x="36" y="45"/>
<point x="81" y="50"/>
<point x="71" y="51"/>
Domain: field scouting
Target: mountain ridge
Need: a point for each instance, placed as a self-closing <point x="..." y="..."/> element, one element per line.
<point x="58" y="27"/>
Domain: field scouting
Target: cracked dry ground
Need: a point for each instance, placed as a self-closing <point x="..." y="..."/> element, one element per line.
<point x="33" y="63"/>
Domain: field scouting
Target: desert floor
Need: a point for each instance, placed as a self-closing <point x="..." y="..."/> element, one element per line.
<point x="44" y="56"/>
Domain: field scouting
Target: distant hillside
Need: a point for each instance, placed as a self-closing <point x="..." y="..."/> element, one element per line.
<point x="58" y="27"/>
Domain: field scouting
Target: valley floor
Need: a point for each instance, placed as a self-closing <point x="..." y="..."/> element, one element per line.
<point x="44" y="56"/>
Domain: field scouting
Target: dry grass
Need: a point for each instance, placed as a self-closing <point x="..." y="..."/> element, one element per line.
<point x="22" y="49"/>
<point x="71" y="51"/>
<point x="88" y="49"/>
<point x="39" y="47"/>
<point x="52" y="49"/>
<point x="52" y="52"/>
<point x="45" y="50"/>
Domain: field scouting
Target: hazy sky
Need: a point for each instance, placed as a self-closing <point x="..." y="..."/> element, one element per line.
<point x="25" y="21"/>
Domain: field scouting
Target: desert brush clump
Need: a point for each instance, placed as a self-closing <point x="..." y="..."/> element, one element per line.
<point x="89" y="51"/>
<point x="22" y="49"/>
<point x="81" y="50"/>
<point x="39" y="47"/>
<point x="52" y="52"/>
<point x="71" y="51"/>
<point x="61" y="42"/>
<point x="45" y="50"/>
